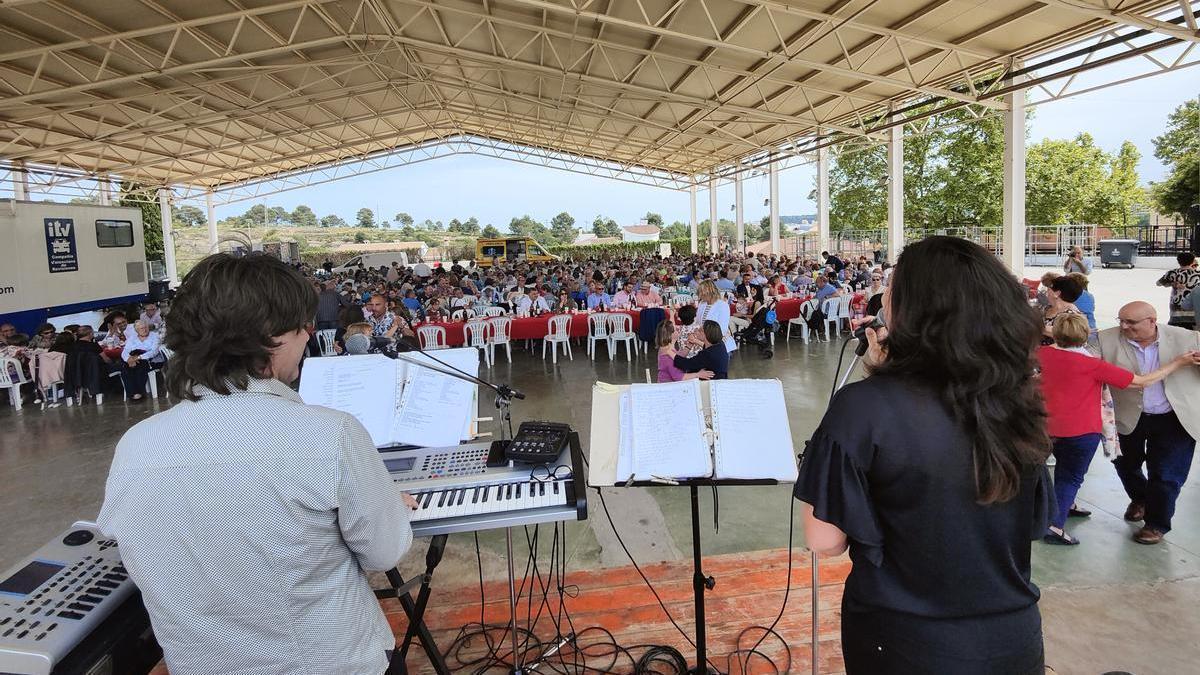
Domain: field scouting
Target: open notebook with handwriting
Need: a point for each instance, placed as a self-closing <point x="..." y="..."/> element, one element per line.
<point x="724" y="429"/>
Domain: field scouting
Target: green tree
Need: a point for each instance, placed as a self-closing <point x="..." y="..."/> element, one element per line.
<point x="1068" y="182"/>
<point x="675" y="230"/>
<point x="187" y="216"/>
<point x="454" y="226"/>
<point x="136" y="195"/>
<point x="277" y="215"/>
<point x="490" y="232"/>
<point x="84" y="200"/>
<point x="654" y="219"/>
<point x="605" y="227"/>
<point x="858" y="189"/>
<point x="470" y="226"/>
<point x="404" y="219"/>
<point x="302" y="216"/>
<point x="426" y="224"/>
<point x="562" y="229"/>
<point x="365" y="218"/>
<point x="333" y="220"/>
<point x="360" y="237"/>
<point x="1179" y="148"/>
<point x="1181" y="140"/>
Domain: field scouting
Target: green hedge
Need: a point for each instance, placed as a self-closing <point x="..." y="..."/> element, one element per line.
<point x="573" y="252"/>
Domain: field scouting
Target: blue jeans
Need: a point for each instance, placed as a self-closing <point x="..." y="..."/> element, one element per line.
<point x="1072" y="457"/>
<point x="1164" y="446"/>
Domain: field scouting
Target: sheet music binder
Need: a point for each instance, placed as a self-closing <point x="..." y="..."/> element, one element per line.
<point x="764" y="453"/>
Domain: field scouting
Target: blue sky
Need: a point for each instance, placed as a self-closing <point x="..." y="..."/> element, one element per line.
<point x="495" y="190"/>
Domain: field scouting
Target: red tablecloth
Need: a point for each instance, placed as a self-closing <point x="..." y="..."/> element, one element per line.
<point x="527" y="327"/>
<point x="789" y="308"/>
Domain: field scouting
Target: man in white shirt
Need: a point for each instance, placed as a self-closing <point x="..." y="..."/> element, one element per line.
<point x="152" y="316"/>
<point x="247" y="519"/>
<point x="532" y="303"/>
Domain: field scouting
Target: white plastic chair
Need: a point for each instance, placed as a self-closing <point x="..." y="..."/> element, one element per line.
<point x="835" y="310"/>
<point x="559" y="333"/>
<point x="493" y="311"/>
<point x="49" y="368"/>
<point x="621" y="330"/>
<point x="462" y="314"/>
<point x="12" y="384"/>
<point x="326" y="339"/>
<point x="806" y="310"/>
<point x="599" y="328"/>
<point x="475" y="334"/>
<point x="432" y="337"/>
<point x="501" y="334"/>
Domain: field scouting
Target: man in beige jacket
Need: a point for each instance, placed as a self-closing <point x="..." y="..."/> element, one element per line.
<point x="1158" y="426"/>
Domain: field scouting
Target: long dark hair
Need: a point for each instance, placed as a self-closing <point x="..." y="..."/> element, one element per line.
<point x="225" y="317"/>
<point x="960" y="322"/>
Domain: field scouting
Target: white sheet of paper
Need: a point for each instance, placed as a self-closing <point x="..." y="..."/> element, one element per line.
<point x="435" y="408"/>
<point x="668" y="431"/>
<point x="754" y="440"/>
<point x="625" y="450"/>
<point x="364" y="386"/>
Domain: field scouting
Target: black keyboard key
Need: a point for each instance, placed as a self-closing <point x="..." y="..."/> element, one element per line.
<point x="70" y="615"/>
<point x="80" y="606"/>
<point x="518" y="490"/>
<point x="106" y="584"/>
<point x="120" y="570"/>
<point x="115" y="577"/>
<point x="555" y="487"/>
<point x="441" y="498"/>
<point x="95" y="590"/>
<point x="541" y="489"/>
<point x="486" y="490"/>
<point x="90" y="599"/>
<point x="462" y="494"/>
<point x="475" y="496"/>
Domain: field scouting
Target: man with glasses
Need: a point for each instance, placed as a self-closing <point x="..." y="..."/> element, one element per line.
<point x="1157" y="426"/>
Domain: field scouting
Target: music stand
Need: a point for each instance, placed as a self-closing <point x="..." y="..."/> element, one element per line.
<point x="700" y="581"/>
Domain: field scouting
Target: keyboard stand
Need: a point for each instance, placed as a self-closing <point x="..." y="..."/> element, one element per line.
<point x="415" y="611"/>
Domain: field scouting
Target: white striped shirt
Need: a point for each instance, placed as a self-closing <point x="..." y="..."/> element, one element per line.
<point x="247" y="521"/>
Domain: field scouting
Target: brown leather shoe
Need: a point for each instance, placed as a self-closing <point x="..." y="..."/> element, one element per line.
<point x="1148" y="535"/>
<point x="1135" y="512"/>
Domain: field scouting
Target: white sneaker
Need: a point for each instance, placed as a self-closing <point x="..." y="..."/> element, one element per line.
<point x="99" y="399"/>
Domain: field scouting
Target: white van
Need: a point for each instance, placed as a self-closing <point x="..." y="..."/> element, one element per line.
<point x="372" y="261"/>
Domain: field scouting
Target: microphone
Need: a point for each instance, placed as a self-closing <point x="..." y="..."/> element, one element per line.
<point x="861" y="333"/>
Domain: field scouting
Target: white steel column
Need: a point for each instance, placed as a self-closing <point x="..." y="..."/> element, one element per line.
<point x="714" y="234"/>
<point x="212" y="222"/>
<point x="895" y="198"/>
<point x="20" y="182"/>
<point x="105" y="191"/>
<point x="823" y="199"/>
<point x="1014" y="179"/>
<point x="774" y="171"/>
<point x="739" y="214"/>
<point x="694" y="237"/>
<point x="164" y="205"/>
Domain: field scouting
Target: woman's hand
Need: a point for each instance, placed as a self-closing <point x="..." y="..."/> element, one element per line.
<point x="705" y="374"/>
<point x="876" y="352"/>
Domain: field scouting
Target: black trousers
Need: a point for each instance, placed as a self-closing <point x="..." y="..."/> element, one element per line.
<point x="893" y="643"/>
<point x="135" y="378"/>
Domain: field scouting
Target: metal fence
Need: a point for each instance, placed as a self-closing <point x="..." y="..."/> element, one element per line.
<point x="1044" y="244"/>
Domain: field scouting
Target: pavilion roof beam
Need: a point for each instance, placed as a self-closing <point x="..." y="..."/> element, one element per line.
<point x="1127" y="18"/>
<point x="768" y="54"/>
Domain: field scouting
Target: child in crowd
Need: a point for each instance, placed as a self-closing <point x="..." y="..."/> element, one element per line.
<point x="684" y="344"/>
<point x="664" y="339"/>
<point x="358" y="338"/>
<point x="714" y="357"/>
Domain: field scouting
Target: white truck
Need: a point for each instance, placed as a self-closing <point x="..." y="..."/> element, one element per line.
<point x="58" y="259"/>
<point x="372" y="261"/>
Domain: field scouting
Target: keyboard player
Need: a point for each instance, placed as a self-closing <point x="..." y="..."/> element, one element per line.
<point x="248" y="519"/>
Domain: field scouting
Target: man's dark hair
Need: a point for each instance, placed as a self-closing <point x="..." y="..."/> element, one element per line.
<point x="1185" y="259"/>
<point x="224" y="319"/>
<point x="712" y="332"/>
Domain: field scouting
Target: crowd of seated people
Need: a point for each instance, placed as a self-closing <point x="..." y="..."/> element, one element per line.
<point x="390" y="298"/>
<point x="89" y="356"/>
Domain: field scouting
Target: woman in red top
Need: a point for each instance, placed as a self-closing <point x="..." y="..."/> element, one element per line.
<point x="1071" y="381"/>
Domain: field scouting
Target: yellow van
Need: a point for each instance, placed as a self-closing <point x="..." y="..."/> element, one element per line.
<point x="510" y="249"/>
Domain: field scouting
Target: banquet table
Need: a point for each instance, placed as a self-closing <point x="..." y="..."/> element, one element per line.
<point x="789" y="308"/>
<point x="529" y="327"/>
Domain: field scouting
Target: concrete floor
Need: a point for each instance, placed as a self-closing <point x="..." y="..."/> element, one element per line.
<point x="1108" y="604"/>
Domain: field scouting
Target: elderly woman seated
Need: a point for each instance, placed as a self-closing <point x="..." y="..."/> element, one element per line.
<point x="140" y="349"/>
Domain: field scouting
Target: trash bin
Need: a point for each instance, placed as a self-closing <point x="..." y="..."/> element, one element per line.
<point x="1118" y="251"/>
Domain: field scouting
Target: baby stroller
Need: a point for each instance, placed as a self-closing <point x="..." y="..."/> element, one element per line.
<point x="758" y="333"/>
